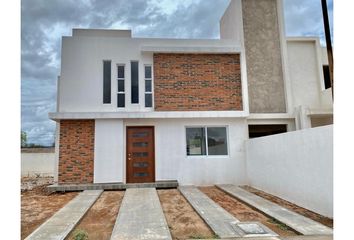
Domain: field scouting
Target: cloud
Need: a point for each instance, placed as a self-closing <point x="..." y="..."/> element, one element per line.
<point x="304" y="18"/>
<point x="43" y="22"/>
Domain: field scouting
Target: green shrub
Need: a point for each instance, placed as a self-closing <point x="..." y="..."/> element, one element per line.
<point x="80" y="235"/>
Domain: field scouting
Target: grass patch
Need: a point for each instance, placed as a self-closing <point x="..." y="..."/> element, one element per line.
<point x="197" y="236"/>
<point x="281" y="225"/>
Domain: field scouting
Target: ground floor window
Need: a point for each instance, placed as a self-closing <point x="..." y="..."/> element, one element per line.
<point x="266" y="130"/>
<point x="204" y="141"/>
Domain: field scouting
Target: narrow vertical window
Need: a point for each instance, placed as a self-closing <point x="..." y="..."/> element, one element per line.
<point x="326" y="76"/>
<point x="148" y="86"/>
<point x="121" y="86"/>
<point x="134" y="81"/>
<point x="107" y="81"/>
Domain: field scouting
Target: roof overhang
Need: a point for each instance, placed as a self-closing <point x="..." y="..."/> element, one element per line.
<point x="131" y="115"/>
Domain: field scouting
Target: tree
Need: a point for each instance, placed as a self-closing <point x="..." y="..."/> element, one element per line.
<point x="23" y="139"/>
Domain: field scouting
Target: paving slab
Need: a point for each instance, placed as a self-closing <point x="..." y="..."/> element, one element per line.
<point x="219" y="220"/>
<point x="63" y="222"/>
<point x="294" y="220"/>
<point x="312" y="237"/>
<point x="140" y="216"/>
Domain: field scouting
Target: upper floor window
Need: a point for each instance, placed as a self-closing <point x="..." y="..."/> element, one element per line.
<point x="107" y="81"/>
<point x="134" y="65"/>
<point x="148" y="86"/>
<point x="121" y="86"/>
<point x="326" y="76"/>
<point x="206" y="141"/>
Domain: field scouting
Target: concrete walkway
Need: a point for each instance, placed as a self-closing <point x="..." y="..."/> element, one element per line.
<point x="140" y="216"/>
<point x="219" y="220"/>
<point x="63" y="222"/>
<point x="296" y="221"/>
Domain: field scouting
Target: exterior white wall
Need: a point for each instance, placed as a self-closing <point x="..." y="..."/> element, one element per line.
<point x="37" y="163"/>
<point x="172" y="163"/>
<point x="231" y="23"/>
<point x="296" y="166"/>
<point x="108" y="155"/>
<point x="306" y="74"/>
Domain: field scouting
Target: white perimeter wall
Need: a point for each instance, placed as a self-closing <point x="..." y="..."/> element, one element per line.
<point x="171" y="162"/>
<point x="37" y="163"/>
<point x="296" y="166"/>
<point x="108" y="160"/>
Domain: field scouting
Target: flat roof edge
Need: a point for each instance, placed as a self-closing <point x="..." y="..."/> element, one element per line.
<point x="191" y="49"/>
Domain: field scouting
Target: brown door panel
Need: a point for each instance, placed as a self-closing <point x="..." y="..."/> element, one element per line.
<point x="140" y="154"/>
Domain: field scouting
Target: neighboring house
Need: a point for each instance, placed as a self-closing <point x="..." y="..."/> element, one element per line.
<point x="144" y="110"/>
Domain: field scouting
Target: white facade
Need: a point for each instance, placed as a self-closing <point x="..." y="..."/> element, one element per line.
<point x="80" y="90"/>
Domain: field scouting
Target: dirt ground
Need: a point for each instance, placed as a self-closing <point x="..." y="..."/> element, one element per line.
<point x="28" y="183"/>
<point x="99" y="221"/>
<point x="245" y="213"/>
<point x="182" y="220"/>
<point x="37" y="205"/>
<point x="305" y="212"/>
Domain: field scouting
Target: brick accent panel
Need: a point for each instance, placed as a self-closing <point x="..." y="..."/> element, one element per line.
<point x="197" y="82"/>
<point x="76" y="151"/>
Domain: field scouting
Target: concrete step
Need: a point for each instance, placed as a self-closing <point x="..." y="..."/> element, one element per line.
<point x="141" y="217"/>
<point x="63" y="222"/>
<point x="295" y="221"/>
<point x="111" y="186"/>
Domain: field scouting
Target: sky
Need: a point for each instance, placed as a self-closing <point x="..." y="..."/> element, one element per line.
<point x="44" y="22"/>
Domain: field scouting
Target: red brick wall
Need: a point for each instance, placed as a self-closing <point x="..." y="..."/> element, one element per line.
<point x="76" y="151"/>
<point x="197" y="82"/>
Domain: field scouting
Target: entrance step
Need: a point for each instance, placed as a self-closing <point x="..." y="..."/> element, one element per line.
<point x="295" y="221"/>
<point x="63" y="222"/>
<point x="111" y="186"/>
<point x="140" y="216"/>
<point x="219" y="220"/>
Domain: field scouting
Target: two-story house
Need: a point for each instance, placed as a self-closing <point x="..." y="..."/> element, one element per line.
<point x="144" y="110"/>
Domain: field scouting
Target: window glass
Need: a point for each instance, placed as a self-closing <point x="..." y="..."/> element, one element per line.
<point x="147" y="71"/>
<point x="195" y="141"/>
<point x="120" y="85"/>
<point x="326" y="76"/>
<point x="121" y="100"/>
<point x="120" y="71"/>
<point x="106" y="81"/>
<point x="147" y="85"/>
<point x="217" y="141"/>
<point x="135" y="82"/>
<point x="148" y="100"/>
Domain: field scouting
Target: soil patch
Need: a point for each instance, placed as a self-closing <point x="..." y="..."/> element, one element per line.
<point x="37" y="205"/>
<point x="181" y="218"/>
<point x="302" y="211"/>
<point x="245" y="213"/>
<point x="99" y="221"/>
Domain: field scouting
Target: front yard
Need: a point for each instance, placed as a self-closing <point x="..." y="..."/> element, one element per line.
<point x="37" y="205"/>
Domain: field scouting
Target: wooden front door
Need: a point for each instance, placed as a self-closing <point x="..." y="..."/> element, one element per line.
<point x="140" y="155"/>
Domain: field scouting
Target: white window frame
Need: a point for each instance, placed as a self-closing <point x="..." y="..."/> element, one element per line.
<point x="152" y="85"/>
<point x="125" y="87"/>
<point x="206" y="141"/>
